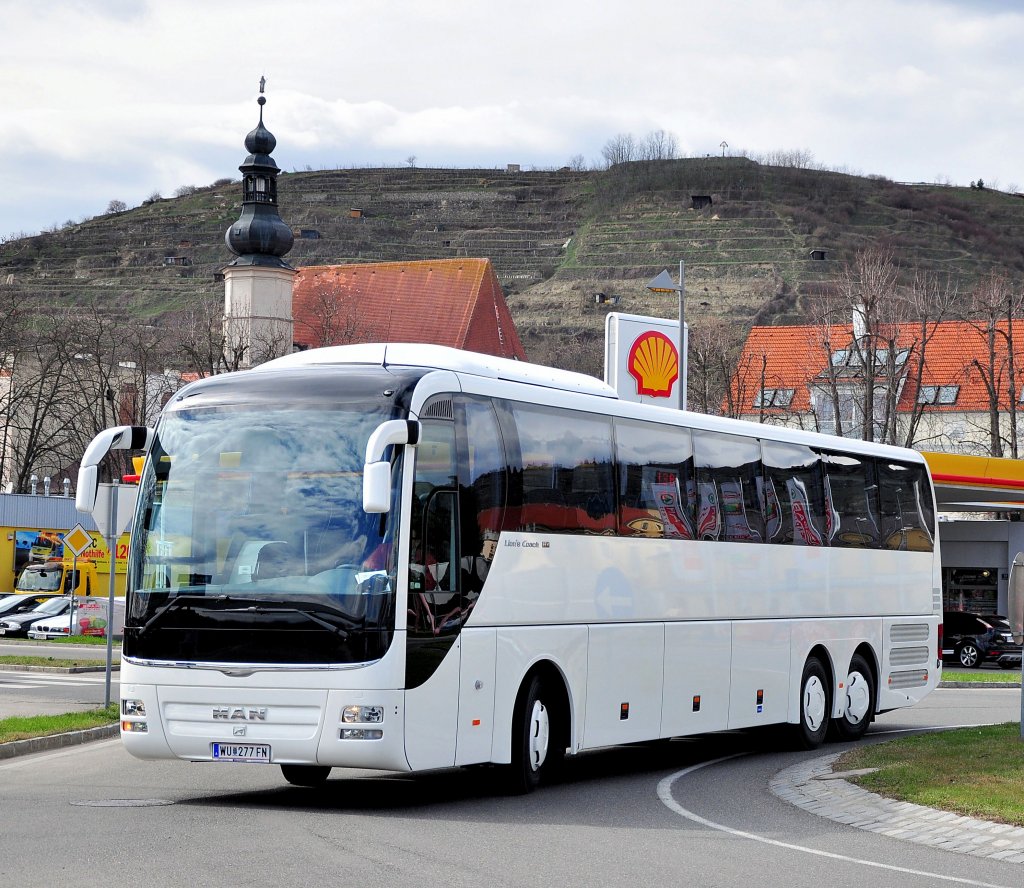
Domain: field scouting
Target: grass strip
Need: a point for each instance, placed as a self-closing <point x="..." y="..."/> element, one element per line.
<point x="81" y="639"/>
<point x="976" y="772"/>
<point x="62" y="662"/>
<point x="25" y="727"/>
<point x="981" y="676"/>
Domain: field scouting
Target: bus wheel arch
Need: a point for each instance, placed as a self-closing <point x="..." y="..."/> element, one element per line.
<point x="540" y="728"/>
<point x="858" y="696"/>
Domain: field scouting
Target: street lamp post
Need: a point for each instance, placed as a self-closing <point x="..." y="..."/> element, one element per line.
<point x="663" y="284"/>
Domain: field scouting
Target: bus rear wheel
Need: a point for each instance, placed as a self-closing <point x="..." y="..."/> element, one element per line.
<point x="815" y="706"/>
<point x="537" y="745"/>
<point x="860" y="700"/>
<point x="305" y="775"/>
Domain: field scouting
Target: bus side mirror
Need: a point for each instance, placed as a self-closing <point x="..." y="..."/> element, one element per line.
<point x="117" y="438"/>
<point x="377" y="470"/>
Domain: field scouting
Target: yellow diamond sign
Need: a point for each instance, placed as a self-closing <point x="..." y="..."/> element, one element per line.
<point x="78" y="539"/>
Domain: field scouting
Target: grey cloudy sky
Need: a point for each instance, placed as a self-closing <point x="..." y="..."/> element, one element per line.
<point x="117" y="99"/>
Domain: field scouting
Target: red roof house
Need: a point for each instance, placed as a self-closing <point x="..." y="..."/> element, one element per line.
<point x="945" y="375"/>
<point x="453" y="302"/>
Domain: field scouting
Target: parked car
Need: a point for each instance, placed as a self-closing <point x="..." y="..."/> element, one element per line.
<point x="973" y="639"/>
<point x="17" y="624"/>
<point x="90" y="619"/>
<point x="16" y="604"/>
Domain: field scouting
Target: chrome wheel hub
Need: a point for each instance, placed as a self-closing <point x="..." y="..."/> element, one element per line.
<point x="540" y="731"/>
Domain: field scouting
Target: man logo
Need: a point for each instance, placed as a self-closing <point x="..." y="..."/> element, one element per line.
<point x="242" y="713"/>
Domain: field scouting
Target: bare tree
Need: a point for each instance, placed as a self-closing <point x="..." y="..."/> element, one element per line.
<point x="658" y="145"/>
<point x="996" y="303"/>
<point x="875" y="333"/>
<point x="720" y="381"/>
<point x="620" y="149"/>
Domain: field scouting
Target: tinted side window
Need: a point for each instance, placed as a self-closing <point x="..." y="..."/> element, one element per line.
<point x="851" y="501"/>
<point x="566" y="466"/>
<point x="435" y="607"/>
<point x="905" y="506"/>
<point x="728" y="470"/>
<point x="953" y="623"/>
<point x="793" y="494"/>
<point x="657" y="491"/>
<point x="483" y="487"/>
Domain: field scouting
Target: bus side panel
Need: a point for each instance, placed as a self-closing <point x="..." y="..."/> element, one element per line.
<point x="625" y="673"/>
<point x="909" y="670"/>
<point x="840" y="638"/>
<point x="476" y="696"/>
<point x="877" y="582"/>
<point x="518" y="649"/>
<point x="431" y="715"/>
<point x="697" y="658"/>
<point x="759" y="694"/>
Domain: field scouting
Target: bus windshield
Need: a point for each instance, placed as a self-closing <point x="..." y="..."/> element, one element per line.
<point x="251" y="542"/>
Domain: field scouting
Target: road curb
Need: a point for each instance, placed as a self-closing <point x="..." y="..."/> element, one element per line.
<point x="979" y="685"/>
<point x="57" y="741"/>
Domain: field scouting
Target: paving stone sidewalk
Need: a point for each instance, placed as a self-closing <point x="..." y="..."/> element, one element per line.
<point x="813" y="786"/>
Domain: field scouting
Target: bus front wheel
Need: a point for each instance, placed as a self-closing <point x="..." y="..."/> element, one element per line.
<point x="305" y="775"/>
<point x="815" y="707"/>
<point x="536" y="745"/>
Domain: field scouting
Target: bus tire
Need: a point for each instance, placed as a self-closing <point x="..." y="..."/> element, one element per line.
<point x="536" y="753"/>
<point x="859" y="705"/>
<point x="815" y="706"/>
<point x="305" y="775"/>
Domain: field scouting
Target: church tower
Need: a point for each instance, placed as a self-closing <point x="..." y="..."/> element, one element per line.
<point x="258" y="283"/>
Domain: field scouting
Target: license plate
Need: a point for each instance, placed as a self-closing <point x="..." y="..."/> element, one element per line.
<point x="241" y="752"/>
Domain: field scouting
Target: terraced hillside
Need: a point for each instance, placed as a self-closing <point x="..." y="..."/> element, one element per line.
<point x="557" y="238"/>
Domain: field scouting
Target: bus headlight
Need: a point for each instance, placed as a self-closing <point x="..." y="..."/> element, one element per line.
<point x="133" y="707"/>
<point x="352" y="715"/>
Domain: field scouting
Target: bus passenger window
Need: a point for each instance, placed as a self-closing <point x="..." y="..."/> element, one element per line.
<point x="566" y="463"/>
<point x="793" y="495"/>
<point x="851" y="501"/>
<point x="728" y="469"/>
<point x="657" y="493"/>
<point x="905" y="507"/>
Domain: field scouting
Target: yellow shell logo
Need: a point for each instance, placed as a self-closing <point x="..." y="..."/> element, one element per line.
<point x="654" y="364"/>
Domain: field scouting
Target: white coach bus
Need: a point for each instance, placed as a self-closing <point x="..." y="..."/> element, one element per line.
<point x="405" y="557"/>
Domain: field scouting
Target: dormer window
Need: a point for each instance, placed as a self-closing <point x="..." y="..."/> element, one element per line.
<point x="774" y="397"/>
<point x="938" y="394"/>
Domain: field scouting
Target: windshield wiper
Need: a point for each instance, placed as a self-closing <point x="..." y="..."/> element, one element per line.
<point x="307" y="609"/>
<point x="179" y="601"/>
<point x="308" y="613"/>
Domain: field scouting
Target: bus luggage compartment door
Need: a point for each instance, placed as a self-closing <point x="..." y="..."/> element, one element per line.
<point x="476" y="696"/>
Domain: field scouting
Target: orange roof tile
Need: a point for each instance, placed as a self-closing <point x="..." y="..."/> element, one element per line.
<point x="454" y="302"/>
<point x="793" y="357"/>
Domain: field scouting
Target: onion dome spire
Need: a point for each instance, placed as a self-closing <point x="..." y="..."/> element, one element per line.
<point x="259" y="237"/>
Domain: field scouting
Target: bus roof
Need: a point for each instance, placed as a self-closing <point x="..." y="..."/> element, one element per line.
<point x="439" y="357"/>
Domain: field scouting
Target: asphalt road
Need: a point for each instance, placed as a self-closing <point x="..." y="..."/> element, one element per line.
<point x="93" y="815"/>
<point x="53" y="693"/>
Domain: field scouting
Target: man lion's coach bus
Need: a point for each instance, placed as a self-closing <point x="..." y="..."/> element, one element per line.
<point x="405" y="557"/>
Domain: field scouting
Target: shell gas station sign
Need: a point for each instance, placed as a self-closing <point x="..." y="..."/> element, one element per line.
<point x="641" y="358"/>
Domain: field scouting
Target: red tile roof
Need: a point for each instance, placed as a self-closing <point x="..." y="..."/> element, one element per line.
<point x="793" y="357"/>
<point x="454" y="302"/>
